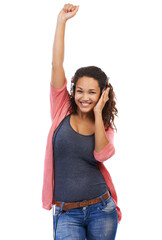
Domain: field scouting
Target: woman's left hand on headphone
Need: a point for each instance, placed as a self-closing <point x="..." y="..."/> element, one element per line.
<point x="102" y="100"/>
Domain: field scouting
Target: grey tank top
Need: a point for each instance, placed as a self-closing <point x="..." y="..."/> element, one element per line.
<point x="76" y="174"/>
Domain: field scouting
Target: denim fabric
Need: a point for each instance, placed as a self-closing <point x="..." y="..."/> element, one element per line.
<point x="94" y="222"/>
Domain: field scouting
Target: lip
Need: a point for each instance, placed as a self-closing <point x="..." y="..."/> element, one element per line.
<point x="86" y="104"/>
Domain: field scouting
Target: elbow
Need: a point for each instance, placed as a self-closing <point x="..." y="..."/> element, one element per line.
<point x="105" y="153"/>
<point x="47" y="207"/>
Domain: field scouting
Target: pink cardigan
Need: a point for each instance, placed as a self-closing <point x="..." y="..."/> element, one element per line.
<point x="59" y="104"/>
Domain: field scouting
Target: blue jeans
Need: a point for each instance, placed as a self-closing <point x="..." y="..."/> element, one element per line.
<point x="94" y="222"/>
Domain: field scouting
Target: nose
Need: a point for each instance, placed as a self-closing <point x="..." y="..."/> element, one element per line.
<point x="85" y="97"/>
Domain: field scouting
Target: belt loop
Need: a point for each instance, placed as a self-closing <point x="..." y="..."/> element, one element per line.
<point x="109" y="192"/>
<point x="62" y="206"/>
<point x="103" y="201"/>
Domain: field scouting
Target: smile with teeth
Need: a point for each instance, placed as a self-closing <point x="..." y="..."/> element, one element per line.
<point x="85" y="104"/>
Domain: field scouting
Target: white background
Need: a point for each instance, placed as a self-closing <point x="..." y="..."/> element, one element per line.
<point x="124" y="39"/>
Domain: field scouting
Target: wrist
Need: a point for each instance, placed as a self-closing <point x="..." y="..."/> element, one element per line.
<point x="97" y="112"/>
<point x="61" y="21"/>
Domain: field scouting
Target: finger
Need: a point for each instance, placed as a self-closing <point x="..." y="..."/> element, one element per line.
<point x="108" y="89"/>
<point x="66" y="7"/>
<point x="108" y="93"/>
<point x="106" y="99"/>
<point x="76" y="8"/>
<point x="70" y="7"/>
<point x="104" y="91"/>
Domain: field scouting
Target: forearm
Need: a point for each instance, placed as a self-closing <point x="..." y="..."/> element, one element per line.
<point x="58" y="45"/>
<point x="101" y="139"/>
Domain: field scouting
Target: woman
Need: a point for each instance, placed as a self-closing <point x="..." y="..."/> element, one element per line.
<point x="79" y="141"/>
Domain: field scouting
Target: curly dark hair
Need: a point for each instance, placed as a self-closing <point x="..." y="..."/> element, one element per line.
<point x="109" y="111"/>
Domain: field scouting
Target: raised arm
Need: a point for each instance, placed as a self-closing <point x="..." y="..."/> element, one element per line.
<point x="57" y="72"/>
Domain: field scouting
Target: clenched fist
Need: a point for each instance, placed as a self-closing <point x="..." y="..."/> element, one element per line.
<point x="68" y="11"/>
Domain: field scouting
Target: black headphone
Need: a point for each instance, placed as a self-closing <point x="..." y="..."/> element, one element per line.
<point x="72" y="88"/>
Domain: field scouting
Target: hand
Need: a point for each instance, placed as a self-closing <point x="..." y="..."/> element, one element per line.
<point x="101" y="102"/>
<point x="68" y="11"/>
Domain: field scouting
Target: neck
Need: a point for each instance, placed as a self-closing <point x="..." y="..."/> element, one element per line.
<point x="85" y="116"/>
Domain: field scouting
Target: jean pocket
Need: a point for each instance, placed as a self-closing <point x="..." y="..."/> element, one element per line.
<point x="109" y="206"/>
<point x="58" y="211"/>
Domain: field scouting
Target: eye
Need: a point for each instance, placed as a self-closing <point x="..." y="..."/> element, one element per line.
<point x="81" y="91"/>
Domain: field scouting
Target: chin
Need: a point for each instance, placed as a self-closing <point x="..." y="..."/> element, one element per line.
<point x="85" y="110"/>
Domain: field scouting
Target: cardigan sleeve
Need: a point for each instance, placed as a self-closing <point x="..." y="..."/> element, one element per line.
<point x="109" y="150"/>
<point x="58" y="97"/>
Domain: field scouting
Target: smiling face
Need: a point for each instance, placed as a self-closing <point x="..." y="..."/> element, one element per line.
<point x="87" y="93"/>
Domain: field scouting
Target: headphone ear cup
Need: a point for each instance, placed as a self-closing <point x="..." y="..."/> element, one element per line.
<point x="73" y="90"/>
<point x="106" y="86"/>
<point x="101" y="92"/>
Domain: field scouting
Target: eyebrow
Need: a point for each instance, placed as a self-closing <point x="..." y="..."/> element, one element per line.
<point x="89" y="89"/>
